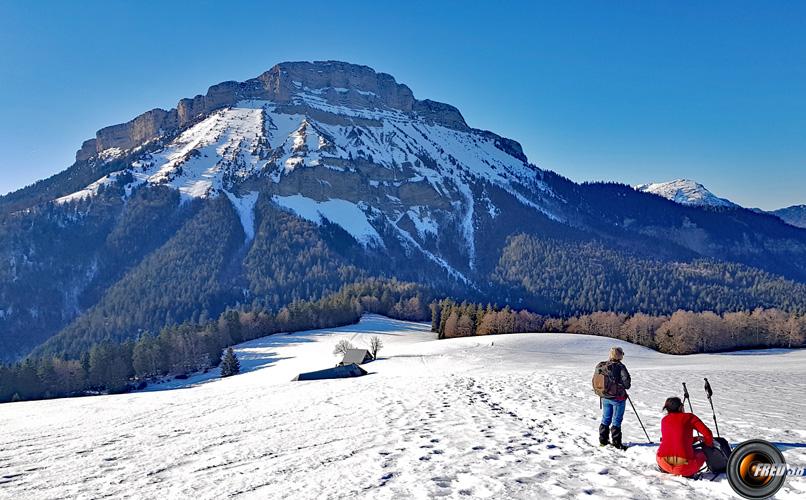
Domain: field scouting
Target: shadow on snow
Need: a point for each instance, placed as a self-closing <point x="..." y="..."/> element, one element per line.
<point x="260" y="353"/>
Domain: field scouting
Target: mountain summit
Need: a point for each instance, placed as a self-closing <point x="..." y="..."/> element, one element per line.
<point x="292" y="86"/>
<point x="315" y="175"/>
<point x="686" y="192"/>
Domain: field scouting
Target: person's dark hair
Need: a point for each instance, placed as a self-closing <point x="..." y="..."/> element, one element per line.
<point x="673" y="405"/>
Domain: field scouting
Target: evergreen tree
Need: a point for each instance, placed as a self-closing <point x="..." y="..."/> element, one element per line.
<point x="229" y="363"/>
<point x="436" y="311"/>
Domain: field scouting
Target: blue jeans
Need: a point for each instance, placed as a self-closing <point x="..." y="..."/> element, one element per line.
<point x="613" y="412"/>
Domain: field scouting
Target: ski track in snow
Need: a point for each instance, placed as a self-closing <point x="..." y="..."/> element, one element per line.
<point x="508" y="416"/>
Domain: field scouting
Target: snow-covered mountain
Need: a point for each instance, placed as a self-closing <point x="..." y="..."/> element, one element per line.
<point x="794" y="215"/>
<point x="319" y="174"/>
<point x="685" y="192"/>
<point x="332" y="141"/>
<point x="505" y="416"/>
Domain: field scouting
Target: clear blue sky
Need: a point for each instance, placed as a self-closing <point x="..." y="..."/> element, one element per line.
<point x="627" y="91"/>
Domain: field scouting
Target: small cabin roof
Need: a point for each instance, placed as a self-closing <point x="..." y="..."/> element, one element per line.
<point x="356" y="356"/>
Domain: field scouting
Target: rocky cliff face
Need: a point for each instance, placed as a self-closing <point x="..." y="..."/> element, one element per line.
<point x="338" y="142"/>
<point x="129" y="135"/>
<point x="337" y="83"/>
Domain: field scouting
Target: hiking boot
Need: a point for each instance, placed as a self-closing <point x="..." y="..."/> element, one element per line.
<point x="603" y="435"/>
<point x="615" y="436"/>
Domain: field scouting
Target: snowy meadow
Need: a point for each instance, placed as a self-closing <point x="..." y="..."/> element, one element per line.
<point x="507" y="416"/>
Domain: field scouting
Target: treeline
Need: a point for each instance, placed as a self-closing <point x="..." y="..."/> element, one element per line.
<point x="564" y="277"/>
<point x="683" y="332"/>
<point x="188" y="348"/>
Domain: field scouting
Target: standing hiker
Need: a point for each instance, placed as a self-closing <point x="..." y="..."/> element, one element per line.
<point x="676" y="453"/>
<point x="610" y="382"/>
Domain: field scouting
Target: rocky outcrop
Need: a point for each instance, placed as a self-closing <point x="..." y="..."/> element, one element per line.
<point x="509" y="146"/>
<point x="144" y="128"/>
<point x="338" y="83"/>
<point x="376" y="88"/>
<point x="218" y="96"/>
<point x="441" y="114"/>
<point x="88" y="149"/>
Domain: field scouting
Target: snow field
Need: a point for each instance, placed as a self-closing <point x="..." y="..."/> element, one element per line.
<point x="508" y="416"/>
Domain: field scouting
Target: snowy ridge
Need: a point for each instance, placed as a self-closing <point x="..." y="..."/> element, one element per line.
<point x="505" y="416"/>
<point x="229" y="143"/>
<point x="91" y="190"/>
<point x="794" y="215"/>
<point x="208" y="156"/>
<point x="685" y="192"/>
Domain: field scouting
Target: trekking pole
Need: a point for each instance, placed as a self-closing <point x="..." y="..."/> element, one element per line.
<point x="639" y="419"/>
<point x="709" y="393"/>
<point x="686" y="396"/>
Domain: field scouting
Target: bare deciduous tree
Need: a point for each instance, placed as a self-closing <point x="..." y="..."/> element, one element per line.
<point x="464" y="326"/>
<point x="341" y="347"/>
<point x="375" y="345"/>
<point x="683" y="332"/>
<point x="450" y="325"/>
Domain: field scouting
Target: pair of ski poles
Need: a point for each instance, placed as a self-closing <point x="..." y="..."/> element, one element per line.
<point x="708" y="392"/>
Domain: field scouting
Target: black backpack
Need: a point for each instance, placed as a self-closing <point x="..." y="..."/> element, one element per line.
<point x="604" y="384"/>
<point x="717" y="457"/>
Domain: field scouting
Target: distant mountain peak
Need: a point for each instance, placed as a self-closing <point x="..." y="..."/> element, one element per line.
<point x="794" y="215"/>
<point x="685" y="192"/>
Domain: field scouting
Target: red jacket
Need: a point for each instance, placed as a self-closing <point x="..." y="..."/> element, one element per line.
<point x="677" y="435"/>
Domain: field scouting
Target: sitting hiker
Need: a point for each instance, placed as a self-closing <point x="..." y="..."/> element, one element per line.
<point x="676" y="454"/>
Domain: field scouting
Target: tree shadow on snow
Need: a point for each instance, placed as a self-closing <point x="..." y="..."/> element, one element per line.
<point x="261" y="352"/>
<point x="756" y="352"/>
<point x="250" y="361"/>
<point x="369" y="325"/>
